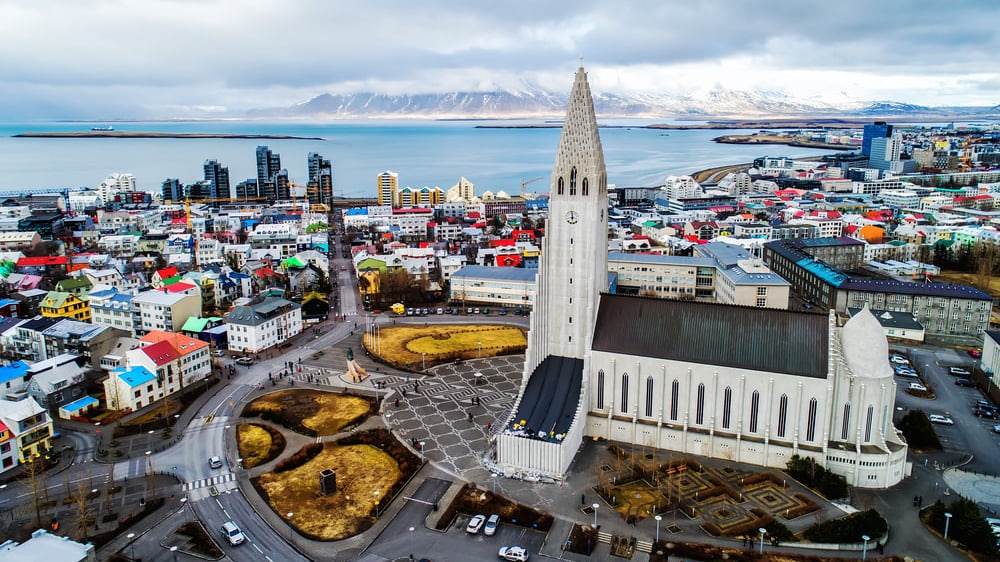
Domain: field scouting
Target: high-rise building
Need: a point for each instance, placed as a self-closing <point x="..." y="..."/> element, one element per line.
<point x="217" y="177"/>
<point x="268" y="166"/>
<point x="388" y="186"/>
<point x="885" y="153"/>
<point x="247" y="189"/>
<point x="115" y="184"/>
<point x="320" y="184"/>
<point x="878" y="129"/>
<point x="173" y="190"/>
<point x="282" y="187"/>
<point x="464" y="190"/>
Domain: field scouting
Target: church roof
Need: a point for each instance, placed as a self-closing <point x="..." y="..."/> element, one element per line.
<point x="741" y="337"/>
<point x="551" y="397"/>
<point x="580" y="141"/>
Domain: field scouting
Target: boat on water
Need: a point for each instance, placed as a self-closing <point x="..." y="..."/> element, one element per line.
<point x="108" y="128"/>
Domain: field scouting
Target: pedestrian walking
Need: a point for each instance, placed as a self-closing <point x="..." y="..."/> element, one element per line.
<point x="396" y="402"/>
<point x="583" y="497"/>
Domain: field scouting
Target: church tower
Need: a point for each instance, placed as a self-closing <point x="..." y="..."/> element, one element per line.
<point x="573" y="269"/>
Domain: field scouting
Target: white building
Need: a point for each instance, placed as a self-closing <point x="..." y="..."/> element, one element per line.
<point x="165" y="309"/>
<point x="262" y="324"/>
<point x="30" y="428"/>
<point x="115" y="184"/>
<point x="48" y="547"/>
<point x="131" y="388"/>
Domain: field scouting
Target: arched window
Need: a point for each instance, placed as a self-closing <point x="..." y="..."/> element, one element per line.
<point x="675" y="391"/>
<point x="572" y="181"/>
<point x="845" y="428"/>
<point x="727" y="405"/>
<point x="811" y="421"/>
<point x="868" y="423"/>
<point x="699" y="416"/>
<point x="624" y="393"/>
<point x="560" y="185"/>
<point x="649" y="397"/>
<point x="600" y="389"/>
<point x="585" y="190"/>
<point x="782" y="414"/>
<point x="754" y="410"/>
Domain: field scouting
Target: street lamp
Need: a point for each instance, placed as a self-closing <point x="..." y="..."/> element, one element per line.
<point x="173" y="550"/>
<point x="595" y="506"/>
<point x="762" y="531"/>
<point x="376" y="504"/>
<point x="480" y="356"/>
<point x="131" y="546"/>
<point x="411" y="543"/>
<point x="494" y="477"/>
<point x="947" y="520"/>
<point x="658" y="518"/>
<point x="421" y="453"/>
<point x="290" y="528"/>
<point x="864" y="550"/>
<point x="423" y="360"/>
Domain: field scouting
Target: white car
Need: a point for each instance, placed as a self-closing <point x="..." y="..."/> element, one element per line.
<point x="475" y="524"/>
<point x="908" y="373"/>
<point x="232" y="533"/>
<point x="918" y="386"/>
<point x="937" y="418"/>
<point x="491" y="525"/>
<point x="958" y="371"/>
<point x="899" y="360"/>
<point x="513" y="553"/>
<point x="215" y="462"/>
<point x="245" y="361"/>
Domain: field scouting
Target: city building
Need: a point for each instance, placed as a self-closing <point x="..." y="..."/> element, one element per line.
<point x="264" y="323"/>
<point x="58" y="304"/>
<point x="746" y="384"/>
<point x="162" y="309"/>
<point x="320" y="184"/>
<point x="49" y="547"/>
<point x="387" y="186"/>
<point x="55" y="382"/>
<point x="217" y="177"/>
<point x="194" y="361"/>
<point x="479" y="285"/>
<point x="30" y="427"/>
<point x="130" y="388"/>
<point x="111" y="307"/>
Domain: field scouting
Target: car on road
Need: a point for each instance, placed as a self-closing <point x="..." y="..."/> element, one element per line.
<point x="475" y="524"/>
<point x="245" y="361"/>
<point x="219" y="353"/>
<point x="214" y="462"/>
<point x="513" y="553"/>
<point x="491" y="525"/>
<point x="918" y="387"/>
<point x="996" y="429"/>
<point x="232" y="533"/>
<point x="964" y="382"/>
<point x="981" y="413"/>
<point x="958" y="372"/>
<point x="938" y="418"/>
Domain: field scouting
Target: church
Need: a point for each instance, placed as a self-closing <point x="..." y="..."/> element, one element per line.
<point x="746" y="384"/>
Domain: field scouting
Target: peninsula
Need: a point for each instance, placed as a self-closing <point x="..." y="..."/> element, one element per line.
<point x="153" y="135"/>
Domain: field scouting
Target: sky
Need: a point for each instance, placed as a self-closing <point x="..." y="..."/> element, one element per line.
<point x="135" y="59"/>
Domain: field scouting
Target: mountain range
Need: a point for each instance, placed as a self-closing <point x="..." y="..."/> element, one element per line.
<point x="536" y="103"/>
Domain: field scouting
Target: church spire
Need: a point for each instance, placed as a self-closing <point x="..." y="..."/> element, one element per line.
<point x="580" y="142"/>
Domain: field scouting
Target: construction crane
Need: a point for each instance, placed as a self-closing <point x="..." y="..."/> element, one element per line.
<point x="525" y="183"/>
<point x="291" y="191"/>
<point x="187" y="203"/>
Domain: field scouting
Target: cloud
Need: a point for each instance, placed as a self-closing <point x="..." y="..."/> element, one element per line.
<point x="155" y="57"/>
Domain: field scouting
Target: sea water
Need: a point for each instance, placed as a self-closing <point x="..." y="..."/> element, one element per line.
<point x="493" y="155"/>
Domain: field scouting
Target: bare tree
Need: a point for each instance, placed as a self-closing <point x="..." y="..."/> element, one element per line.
<point x="33" y="478"/>
<point x="83" y="516"/>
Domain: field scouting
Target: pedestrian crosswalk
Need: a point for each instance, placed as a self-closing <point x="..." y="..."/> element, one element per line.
<point x="210" y="481"/>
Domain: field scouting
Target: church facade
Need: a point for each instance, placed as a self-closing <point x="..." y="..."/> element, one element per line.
<point x="745" y="384"/>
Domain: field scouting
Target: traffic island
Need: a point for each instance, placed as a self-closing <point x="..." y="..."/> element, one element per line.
<point x="422" y="347"/>
<point x="311" y="412"/>
<point x="258" y="444"/>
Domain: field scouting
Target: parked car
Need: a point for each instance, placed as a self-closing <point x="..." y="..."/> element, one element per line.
<point x="996" y="429"/>
<point x="503" y="312"/>
<point x="899" y="360"/>
<point x="245" y="361"/>
<point x="232" y="533"/>
<point x="976" y="353"/>
<point x="486" y="311"/>
<point x="219" y="353"/>
<point x="981" y="413"/>
<point x="964" y="382"/>
<point x="513" y="553"/>
<point x="214" y="462"/>
<point x="475" y="524"/>
<point x="476" y="310"/>
<point x="409" y="312"/>
<point x="958" y="371"/>
<point x="517" y="311"/>
<point x="468" y="310"/>
<point x="440" y="311"/>
<point x="986" y="405"/>
<point x="491" y="525"/>
<point x="937" y="418"/>
<point x="918" y="387"/>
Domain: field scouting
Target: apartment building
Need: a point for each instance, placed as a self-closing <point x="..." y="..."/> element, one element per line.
<point x="167" y="309"/>
<point x="264" y="323"/>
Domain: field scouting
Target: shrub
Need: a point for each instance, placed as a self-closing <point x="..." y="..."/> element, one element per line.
<point x="967" y="524"/>
<point x="805" y="470"/>
<point x="304" y="455"/>
<point x="848" y="529"/>
<point x="918" y="431"/>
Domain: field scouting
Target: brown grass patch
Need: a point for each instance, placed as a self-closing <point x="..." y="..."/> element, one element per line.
<point x="311" y="412"/>
<point x="361" y="470"/>
<point x="258" y="444"/>
<point x="471" y="500"/>
<point x="405" y="346"/>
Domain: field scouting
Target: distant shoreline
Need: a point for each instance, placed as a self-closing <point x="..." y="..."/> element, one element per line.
<point x="764" y="124"/>
<point x="152" y="135"/>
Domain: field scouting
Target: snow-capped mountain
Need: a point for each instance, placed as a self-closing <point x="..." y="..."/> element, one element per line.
<point x="537" y="103"/>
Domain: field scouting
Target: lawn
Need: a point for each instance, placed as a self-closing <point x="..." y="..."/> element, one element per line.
<point x="361" y="470"/>
<point x="258" y="444"/>
<point x="409" y="346"/>
<point x="312" y="412"/>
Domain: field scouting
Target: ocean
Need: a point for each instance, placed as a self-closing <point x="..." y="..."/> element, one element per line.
<point x="422" y="152"/>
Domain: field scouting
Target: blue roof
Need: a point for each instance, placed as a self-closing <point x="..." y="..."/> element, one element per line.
<point x="135" y="376"/>
<point x="80" y="404"/>
<point x="357" y="211"/>
<point x="105" y="293"/>
<point x="15" y="370"/>
<point x="526" y="275"/>
<point x="5" y="302"/>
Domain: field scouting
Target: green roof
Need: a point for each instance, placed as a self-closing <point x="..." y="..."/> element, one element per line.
<point x="196" y="325"/>
<point x="293" y="261"/>
<point x="73" y="283"/>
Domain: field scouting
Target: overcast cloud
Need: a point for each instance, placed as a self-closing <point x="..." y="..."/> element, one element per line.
<point x="103" y="59"/>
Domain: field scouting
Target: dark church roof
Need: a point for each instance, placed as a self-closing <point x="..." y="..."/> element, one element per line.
<point x="742" y="337"/>
<point x="551" y="396"/>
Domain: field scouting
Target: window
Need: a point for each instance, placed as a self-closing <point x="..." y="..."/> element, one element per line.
<point x="649" y="395"/>
<point x="572" y="181"/>
<point x="761" y="291"/>
<point x="847" y="422"/>
<point x="754" y="410"/>
<point x="727" y="404"/>
<point x="811" y="421"/>
<point x="868" y="423"/>
<point x="559" y="187"/>
<point x="675" y="390"/>
<point x="624" y="408"/>
<point x="600" y="389"/>
<point x="782" y="414"/>
<point x="761" y="303"/>
<point x="586" y="188"/>
<point x="699" y="416"/>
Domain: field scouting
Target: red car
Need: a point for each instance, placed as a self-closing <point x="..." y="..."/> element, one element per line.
<point x="976" y="353"/>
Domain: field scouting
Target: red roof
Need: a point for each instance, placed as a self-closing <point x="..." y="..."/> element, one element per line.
<point x="160" y="353"/>
<point x="178" y="287"/>
<point x="505" y="242"/>
<point x="167" y="272"/>
<point x="412" y="210"/>
<point x="41" y="261"/>
<point x="473" y="214"/>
